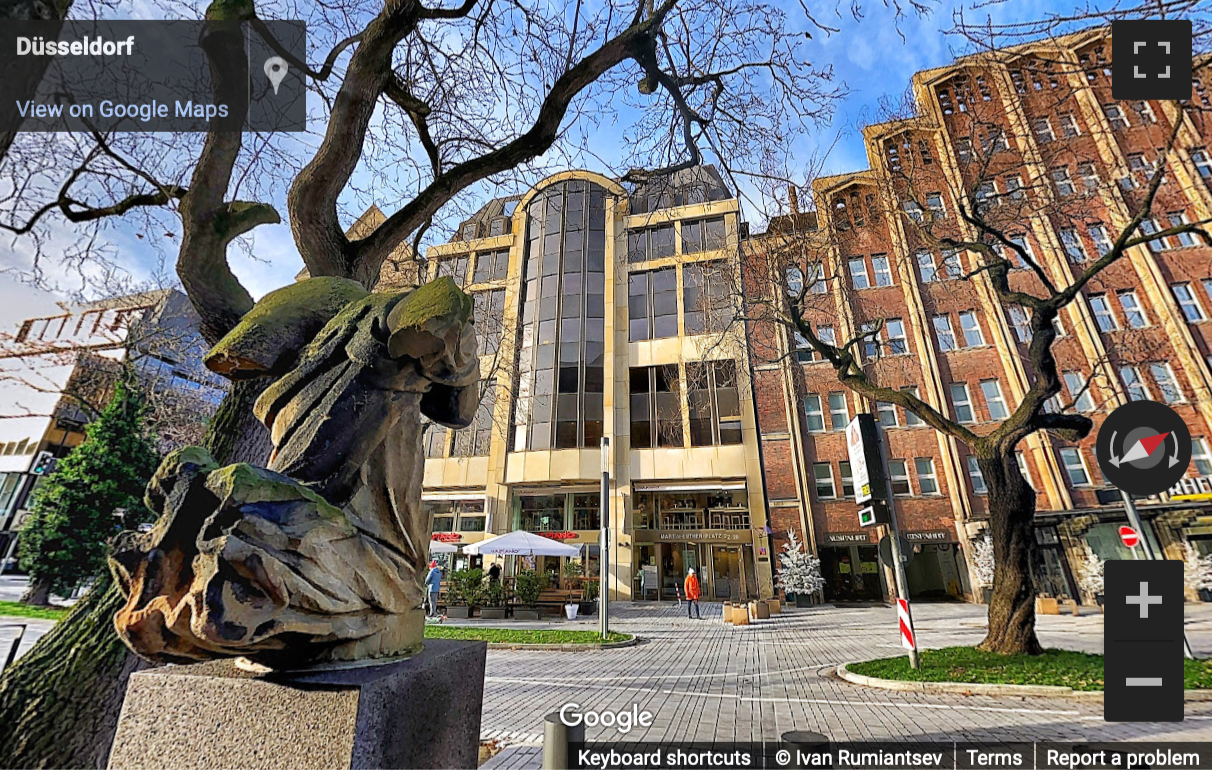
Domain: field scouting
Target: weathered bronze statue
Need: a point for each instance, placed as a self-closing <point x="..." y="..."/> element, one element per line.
<point x="320" y="557"/>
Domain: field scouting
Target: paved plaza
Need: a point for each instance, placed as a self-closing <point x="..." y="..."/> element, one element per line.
<point x="704" y="681"/>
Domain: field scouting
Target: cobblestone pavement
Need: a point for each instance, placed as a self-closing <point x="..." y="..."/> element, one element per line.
<point x="705" y="681"/>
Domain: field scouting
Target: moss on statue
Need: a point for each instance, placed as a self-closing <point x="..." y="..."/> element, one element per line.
<point x="267" y="340"/>
<point x="441" y="298"/>
<point x="230" y="10"/>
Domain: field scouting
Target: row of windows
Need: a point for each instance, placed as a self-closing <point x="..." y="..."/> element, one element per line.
<point x="472" y="441"/>
<point x="898" y="477"/>
<point x="652" y="301"/>
<point x="712" y="396"/>
<point x="887" y="414"/>
<point x="657" y="242"/>
<point x="488" y="266"/>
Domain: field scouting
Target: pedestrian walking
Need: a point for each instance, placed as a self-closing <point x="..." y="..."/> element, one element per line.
<point x="494" y="573"/>
<point x="692" y="594"/>
<point x="433" y="584"/>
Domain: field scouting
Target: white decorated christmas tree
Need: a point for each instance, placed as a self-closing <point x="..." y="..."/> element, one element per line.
<point x="982" y="556"/>
<point x="799" y="572"/>
<point x="1197" y="569"/>
<point x="1090" y="572"/>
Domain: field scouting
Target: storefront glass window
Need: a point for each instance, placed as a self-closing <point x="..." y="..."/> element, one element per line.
<point x="542" y="513"/>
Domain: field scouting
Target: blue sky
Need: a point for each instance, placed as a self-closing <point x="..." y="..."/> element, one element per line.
<point x="870" y="57"/>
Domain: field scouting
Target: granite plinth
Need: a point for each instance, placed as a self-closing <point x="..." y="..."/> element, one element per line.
<point x="421" y="712"/>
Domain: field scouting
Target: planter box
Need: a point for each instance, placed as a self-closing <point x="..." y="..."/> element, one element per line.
<point x="521" y="614"/>
<point x="1047" y="606"/>
<point x="570" y="611"/>
<point x="758" y="611"/>
<point x="727" y="612"/>
<point x="802" y="601"/>
<point x="493" y="613"/>
<point x="589" y="608"/>
<point x="461" y="613"/>
<point x="775" y="606"/>
<point x="988" y="595"/>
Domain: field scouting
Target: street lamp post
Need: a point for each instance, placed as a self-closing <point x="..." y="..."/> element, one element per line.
<point x="604" y="541"/>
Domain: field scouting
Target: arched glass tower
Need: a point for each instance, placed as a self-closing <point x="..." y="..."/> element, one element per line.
<point x="561" y="348"/>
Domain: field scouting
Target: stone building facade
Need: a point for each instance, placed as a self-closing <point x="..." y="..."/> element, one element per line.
<point x="1008" y="128"/>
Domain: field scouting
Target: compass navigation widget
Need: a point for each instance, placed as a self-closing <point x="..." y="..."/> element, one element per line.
<point x="1143" y="448"/>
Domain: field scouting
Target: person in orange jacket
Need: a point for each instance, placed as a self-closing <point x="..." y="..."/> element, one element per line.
<point x="692" y="594"/>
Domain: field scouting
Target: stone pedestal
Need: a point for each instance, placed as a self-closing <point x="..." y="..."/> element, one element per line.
<point x="421" y="712"/>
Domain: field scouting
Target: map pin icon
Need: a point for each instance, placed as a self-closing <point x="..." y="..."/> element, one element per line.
<point x="275" y="70"/>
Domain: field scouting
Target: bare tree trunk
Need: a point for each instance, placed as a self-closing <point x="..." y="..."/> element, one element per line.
<point x="38" y="593"/>
<point x="59" y="703"/>
<point x="1011" y="514"/>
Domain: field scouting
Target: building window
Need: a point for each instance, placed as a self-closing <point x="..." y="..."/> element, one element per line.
<point x="961" y="400"/>
<point x="1203" y="163"/>
<point x="795" y="281"/>
<point x="978" y="478"/>
<point x="1068" y="124"/>
<point x="1021" y="460"/>
<point x="925" y="267"/>
<point x="489" y="309"/>
<point x="651" y="243"/>
<point x="1185" y="239"/>
<point x="1025" y="245"/>
<point x="1201" y="458"/>
<point x="898" y="476"/>
<point x="1043" y="130"/>
<point x="561" y="347"/>
<point x="703" y="235"/>
<point x="455" y="267"/>
<point x="839" y="415"/>
<point x="1134" y="383"/>
<point x="1064" y="184"/>
<point x="882" y="270"/>
<point x="715" y="405"/>
<point x="1144" y="110"/>
<point x="1167" y="386"/>
<point x="1088" y="174"/>
<point x="914" y="210"/>
<point x="992" y="390"/>
<point x="1073" y="246"/>
<point x="825" y="334"/>
<point x="1116" y="116"/>
<point x="1187" y="302"/>
<point x="898" y="344"/>
<point x="843" y="467"/>
<point x="491" y="266"/>
<point x="435" y="440"/>
<point x="822" y="474"/>
<point x="1075" y="466"/>
<point x="871" y="341"/>
<point x="475" y="439"/>
<point x="963" y="149"/>
<point x="858" y="273"/>
<point x="1102" y="242"/>
<point x="656" y="407"/>
<point x="652" y="303"/>
<point x="706" y="299"/>
<point x="1149" y="227"/>
<point x="814" y="416"/>
<point x="1019" y="323"/>
<point x="1079" y="391"/>
<point x="886" y="414"/>
<point x="953" y="269"/>
<point x="911" y="419"/>
<point x="934" y="202"/>
<point x="942" y="330"/>
<point x="1103" y="315"/>
<point x="1014" y="189"/>
<point x="1207" y="284"/>
<point x="971" y="327"/>
<point x="803" y="348"/>
<point x="927" y="482"/>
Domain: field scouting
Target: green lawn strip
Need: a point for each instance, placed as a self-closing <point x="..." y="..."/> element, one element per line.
<point x="519" y="635"/>
<point x="1060" y="668"/>
<point x="19" y="610"/>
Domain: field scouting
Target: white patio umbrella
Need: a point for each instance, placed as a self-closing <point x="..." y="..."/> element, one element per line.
<point x="437" y="546"/>
<point x="522" y="543"/>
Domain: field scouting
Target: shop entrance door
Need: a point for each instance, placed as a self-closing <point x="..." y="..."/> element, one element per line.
<point x="727" y="578"/>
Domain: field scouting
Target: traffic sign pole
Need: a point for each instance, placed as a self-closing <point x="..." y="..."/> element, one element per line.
<point x="898" y="569"/>
<point x="1135" y="522"/>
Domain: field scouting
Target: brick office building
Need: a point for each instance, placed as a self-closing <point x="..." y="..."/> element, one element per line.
<point x="1001" y="128"/>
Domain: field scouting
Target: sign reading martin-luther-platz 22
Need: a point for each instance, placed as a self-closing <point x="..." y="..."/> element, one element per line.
<point x="1143" y="448"/>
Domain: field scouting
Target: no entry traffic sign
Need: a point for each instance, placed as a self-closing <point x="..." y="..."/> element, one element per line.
<point x="1130" y="536"/>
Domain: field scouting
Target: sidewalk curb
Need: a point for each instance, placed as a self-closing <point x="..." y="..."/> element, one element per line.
<point x="973" y="688"/>
<point x="565" y="647"/>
